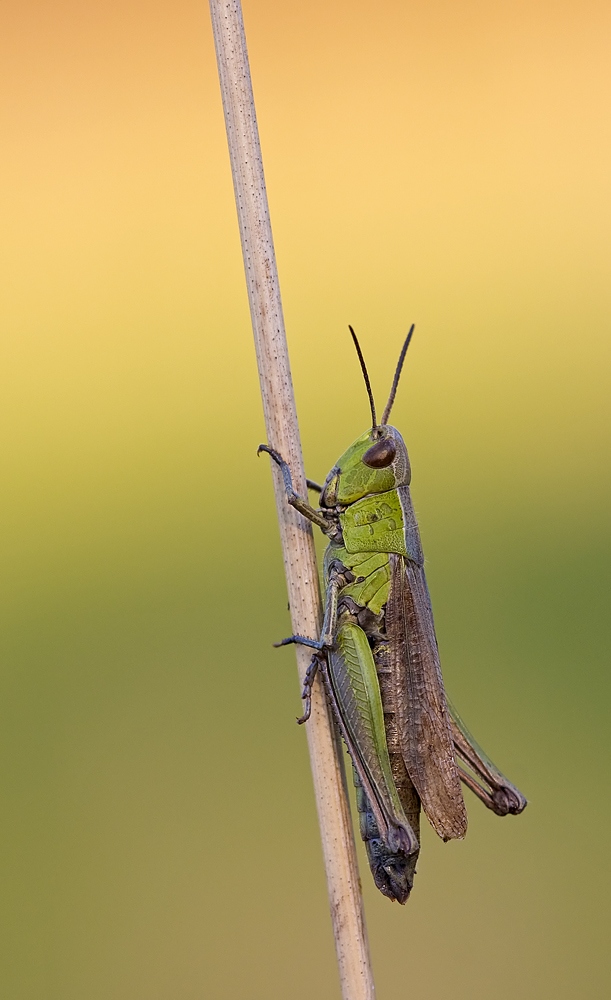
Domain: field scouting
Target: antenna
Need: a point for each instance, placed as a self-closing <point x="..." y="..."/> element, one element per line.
<point x="395" y="381"/>
<point x="366" y="377"/>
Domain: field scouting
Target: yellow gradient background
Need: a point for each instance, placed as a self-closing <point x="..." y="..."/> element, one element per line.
<point x="444" y="163"/>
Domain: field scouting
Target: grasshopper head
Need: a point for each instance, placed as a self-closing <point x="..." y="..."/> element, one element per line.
<point x="378" y="460"/>
<point x="375" y="462"/>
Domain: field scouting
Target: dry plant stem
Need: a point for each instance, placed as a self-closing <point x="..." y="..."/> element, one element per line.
<point x="296" y="533"/>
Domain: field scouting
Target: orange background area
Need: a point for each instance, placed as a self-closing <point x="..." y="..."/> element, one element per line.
<point x="441" y="163"/>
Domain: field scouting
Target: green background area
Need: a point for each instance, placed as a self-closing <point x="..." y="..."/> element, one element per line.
<point x="440" y="163"/>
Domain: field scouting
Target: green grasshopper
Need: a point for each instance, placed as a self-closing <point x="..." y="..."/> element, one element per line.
<point x="379" y="660"/>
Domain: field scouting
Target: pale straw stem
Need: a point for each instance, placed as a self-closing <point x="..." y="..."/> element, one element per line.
<point x="296" y="533"/>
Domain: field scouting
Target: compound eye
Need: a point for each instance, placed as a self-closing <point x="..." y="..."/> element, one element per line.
<point x="380" y="454"/>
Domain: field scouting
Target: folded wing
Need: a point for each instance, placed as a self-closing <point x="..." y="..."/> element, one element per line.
<point x="422" y="716"/>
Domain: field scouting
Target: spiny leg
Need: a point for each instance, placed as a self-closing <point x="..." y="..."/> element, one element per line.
<point x="308" y="681"/>
<point x="319" y="660"/>
<point x="321" y="645"/>
<point x="299" y="640"/>
<point x="299" y="503"/>
<point x="328" y="626"/>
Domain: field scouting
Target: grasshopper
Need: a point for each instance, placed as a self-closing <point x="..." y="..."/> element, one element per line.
<point x="379" y="660"/>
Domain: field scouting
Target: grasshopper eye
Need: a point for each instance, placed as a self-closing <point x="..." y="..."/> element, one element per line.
<point x="380" y="454"/>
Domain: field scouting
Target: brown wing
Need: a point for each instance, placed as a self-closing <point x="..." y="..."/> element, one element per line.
<point x="419" y="699"/>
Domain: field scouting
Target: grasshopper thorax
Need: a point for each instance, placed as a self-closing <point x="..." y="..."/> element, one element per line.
<point x="374" y="463"/>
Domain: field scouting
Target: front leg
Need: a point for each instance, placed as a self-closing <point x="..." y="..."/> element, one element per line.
<point x="315" y="516"/>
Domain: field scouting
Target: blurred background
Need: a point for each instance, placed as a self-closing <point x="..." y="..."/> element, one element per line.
<point x="443" y="163"/>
